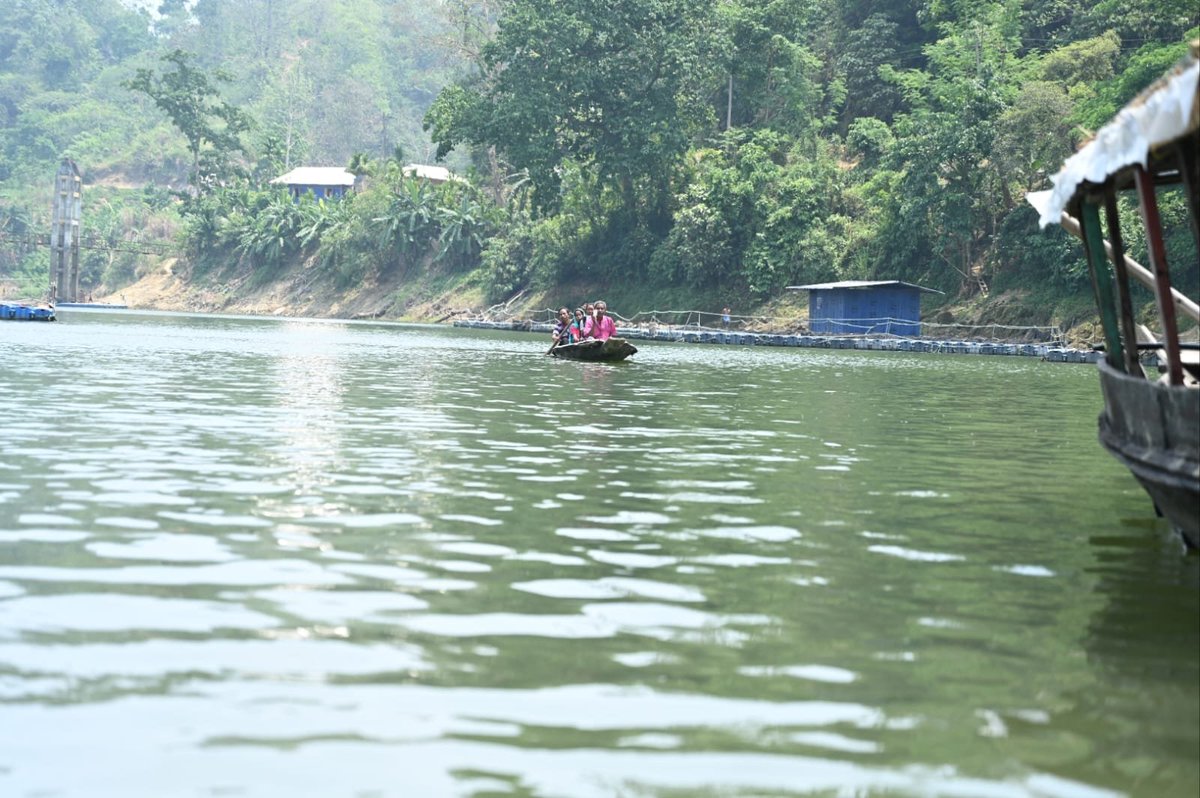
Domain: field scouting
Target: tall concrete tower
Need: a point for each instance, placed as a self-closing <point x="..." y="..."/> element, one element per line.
<point x="64" y="233"/>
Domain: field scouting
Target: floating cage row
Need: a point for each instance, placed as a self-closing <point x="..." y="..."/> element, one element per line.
<point x="25" y="313"/>
<point x="1045" y="351"/>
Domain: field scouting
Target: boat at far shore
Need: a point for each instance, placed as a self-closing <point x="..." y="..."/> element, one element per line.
<point x="24" y="311"/>
<point x="1150" y="423"/>
<point x="611" y="349"/>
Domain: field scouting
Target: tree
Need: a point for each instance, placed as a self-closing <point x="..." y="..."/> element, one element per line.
<point x="619" y="88"/>
<point x="1033" y="136"/>
<point x="950" y="191"/>
<point x="1087" y="61"/>
<point x="772" y="73"/>
<point x="190" y="98"/>
<point x="873" y="44"/>
<point x="1164" y="20"/>
<point x="284" y="109"/>
<point x="173" y="16"/>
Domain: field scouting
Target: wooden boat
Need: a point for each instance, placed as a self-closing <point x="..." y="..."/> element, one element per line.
<point x="1150" y="423"/>
<point x="611" y="349"/>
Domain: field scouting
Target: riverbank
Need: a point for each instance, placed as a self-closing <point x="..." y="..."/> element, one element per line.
<point x="431" y="297"/>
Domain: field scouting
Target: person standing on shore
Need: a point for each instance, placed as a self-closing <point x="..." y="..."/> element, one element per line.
<point x="725" y="317"/>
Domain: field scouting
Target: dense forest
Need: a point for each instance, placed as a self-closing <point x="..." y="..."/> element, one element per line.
<point x="712" y="151"/>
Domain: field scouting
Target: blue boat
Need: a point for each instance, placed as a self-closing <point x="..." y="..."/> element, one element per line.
<point x="23" y="312"/>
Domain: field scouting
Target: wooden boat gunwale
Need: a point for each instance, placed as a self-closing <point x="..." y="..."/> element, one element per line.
<point x="609" y="350"/>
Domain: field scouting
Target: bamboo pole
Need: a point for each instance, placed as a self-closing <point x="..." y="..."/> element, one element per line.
<point x="1137" y="270"/>
<point x="1102" y="281"/>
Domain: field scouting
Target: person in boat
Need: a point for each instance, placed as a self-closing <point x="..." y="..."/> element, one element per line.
<point x="576" y="328"/>
<point x="600" y="326"/>
<point x="562" y="328"/>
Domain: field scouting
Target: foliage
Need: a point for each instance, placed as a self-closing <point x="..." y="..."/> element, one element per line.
<point x="1145" y="66"/>
<point x="691" y="148"/>
<point x="531" y="253"/>
<point x="191" y="99"/>
<point x="1033" y="136"/>
<point x="613" y="87"/>
<point x="407" y="225"/>
<point x="463" y="228"/>
<point x="1027" y="255"/>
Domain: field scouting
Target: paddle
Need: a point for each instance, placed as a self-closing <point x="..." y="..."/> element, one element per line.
<point x="565" y="334"/>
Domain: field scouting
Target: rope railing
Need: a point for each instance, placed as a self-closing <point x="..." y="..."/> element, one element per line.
<point x="129" y="242"/>
<point x="885" y="327"/>
<point x="995" y="332"/>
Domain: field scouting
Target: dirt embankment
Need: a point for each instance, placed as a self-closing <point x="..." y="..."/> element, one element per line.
<point x="306" y="291"/>
<point x="303" y="291"/>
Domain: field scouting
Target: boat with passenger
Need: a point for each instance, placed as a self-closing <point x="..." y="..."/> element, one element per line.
<point x="1150" y="421"/>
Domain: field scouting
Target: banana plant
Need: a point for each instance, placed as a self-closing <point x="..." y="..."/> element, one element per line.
<point x="270" y="234"/>
<point x="409" y="223"/>
<point x="462" y="229"/>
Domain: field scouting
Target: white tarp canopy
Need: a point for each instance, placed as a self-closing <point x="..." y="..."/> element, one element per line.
<point x="1160" y="115"/>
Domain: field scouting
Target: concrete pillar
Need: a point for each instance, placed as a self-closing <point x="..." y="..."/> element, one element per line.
<point x="64" y="233"/>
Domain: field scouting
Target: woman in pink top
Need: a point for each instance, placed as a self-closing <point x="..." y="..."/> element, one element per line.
<point x="600" y="326"/>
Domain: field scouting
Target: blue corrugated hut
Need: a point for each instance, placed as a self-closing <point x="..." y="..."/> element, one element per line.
<point x="323" y="182"/>
<point x="864" y="307"/>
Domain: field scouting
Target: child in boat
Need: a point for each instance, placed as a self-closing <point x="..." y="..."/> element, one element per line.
<point x="576" y="328"/>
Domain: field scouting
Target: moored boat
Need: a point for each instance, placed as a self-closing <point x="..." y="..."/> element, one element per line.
<point x="1150" y="423"/>
<point x="23" y="312"/>
<point x="611" y="349"/>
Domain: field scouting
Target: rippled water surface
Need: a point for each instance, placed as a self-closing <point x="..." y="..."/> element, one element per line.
<point x="248" y="557"/>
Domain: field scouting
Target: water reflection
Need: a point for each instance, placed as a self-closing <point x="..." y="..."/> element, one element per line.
<point x="308" y="385"/>
<point x="316" y="558"/>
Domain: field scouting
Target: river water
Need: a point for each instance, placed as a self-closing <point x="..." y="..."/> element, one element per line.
<point x="259" y="557"/>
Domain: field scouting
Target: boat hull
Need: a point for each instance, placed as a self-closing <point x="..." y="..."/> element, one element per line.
<point x="611" y="349"/>
<point x="1154" y="429"/>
